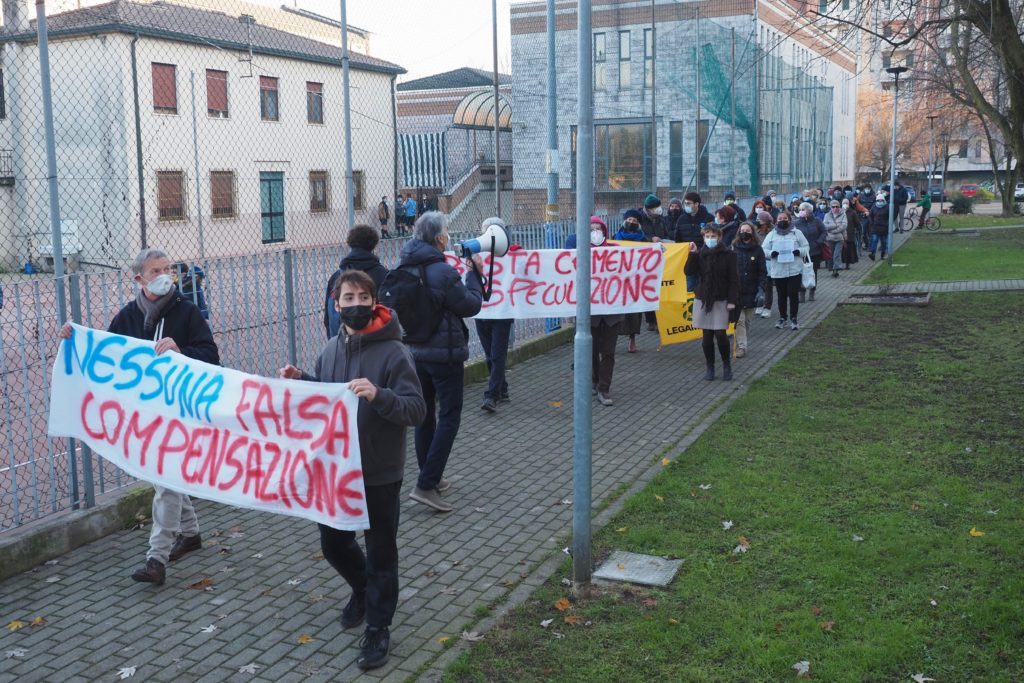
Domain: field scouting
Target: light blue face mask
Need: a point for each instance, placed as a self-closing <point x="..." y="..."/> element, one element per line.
<point x="688" y="208"/>
<point x="711" y="242"/>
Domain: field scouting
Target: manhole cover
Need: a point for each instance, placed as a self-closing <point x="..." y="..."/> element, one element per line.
<point x="906" y="299"/>
<point x="647" y="570"/>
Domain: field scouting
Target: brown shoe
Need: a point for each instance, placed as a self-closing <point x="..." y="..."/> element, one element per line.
<point x="184" y="544"/>
<point x="152" y="572"/>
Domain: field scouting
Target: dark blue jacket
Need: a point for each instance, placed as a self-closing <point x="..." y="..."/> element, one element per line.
<point x="624" y="236"/>
<point x="814" y="230"/>
<point x="900" y="197"/>
<point x="687" y="227"/>
<point x="450" y="343"/>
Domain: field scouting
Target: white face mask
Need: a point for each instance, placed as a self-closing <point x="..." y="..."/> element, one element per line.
<point x="160" y="285"/>
<point x="656" y="211"/>
<point x="596" y="237"/>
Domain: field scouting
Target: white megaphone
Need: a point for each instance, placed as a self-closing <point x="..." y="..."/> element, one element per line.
<point x="494" y="239"/>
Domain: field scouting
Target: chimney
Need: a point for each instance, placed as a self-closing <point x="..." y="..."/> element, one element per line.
<point x="16" y="15"/>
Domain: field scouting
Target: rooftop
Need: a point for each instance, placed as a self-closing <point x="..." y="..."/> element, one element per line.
<point x="465" y="77"/>
<point x="191" y="25"/>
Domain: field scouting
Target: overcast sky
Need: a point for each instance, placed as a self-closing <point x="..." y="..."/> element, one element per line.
<point x="424" y="36"/>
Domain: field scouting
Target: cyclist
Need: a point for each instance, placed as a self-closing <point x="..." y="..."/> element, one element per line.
<point x="925" y="202"/>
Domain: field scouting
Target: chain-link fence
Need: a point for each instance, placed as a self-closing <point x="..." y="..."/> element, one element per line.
<point x="216" y="133"/>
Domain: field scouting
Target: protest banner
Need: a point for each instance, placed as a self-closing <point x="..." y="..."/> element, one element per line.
<point x="542" y="283"/>
<point x="289" y="447"/>
<point x="675" y="315"/>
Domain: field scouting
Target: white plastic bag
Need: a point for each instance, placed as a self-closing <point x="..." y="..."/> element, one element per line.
<point x="808" y="274"/>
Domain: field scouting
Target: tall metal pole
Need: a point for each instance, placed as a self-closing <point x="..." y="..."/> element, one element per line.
<point x="551" y="209"/>
<point x="347" y="113"/>
<point x="696" y="122"/>
<point x="895" y="71"/>
<point x="931" y="160"/>
<point x="57" y="244"/>
<point x="497" y="111"/>
<point x="654" y="107"/>
<point x="732" y="104"/>
<point x="582" y="374"/>
<point x="195" y="162"/>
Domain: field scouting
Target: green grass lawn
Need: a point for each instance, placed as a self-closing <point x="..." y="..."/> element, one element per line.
<point x="977" y="221"/>
<point x="937" y="257"/>
<point x="855" y="470"/>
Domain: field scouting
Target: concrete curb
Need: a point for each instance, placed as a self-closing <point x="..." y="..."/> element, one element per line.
<point x="31" y="546"/>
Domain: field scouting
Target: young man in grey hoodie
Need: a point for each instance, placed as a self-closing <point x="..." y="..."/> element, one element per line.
<point x="370" y="357"/>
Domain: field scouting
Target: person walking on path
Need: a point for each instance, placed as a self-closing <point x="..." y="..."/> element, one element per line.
<point x="879" y="226"/>
<point x="494" y="334"/>
<point x="753" y="276"/>
<point x="630" y="231"/>
<point x="604" y="329"/>
<point x="361" y="240"/>
<point x="784" y="249"/>
<point x="440" y="361"/>
<point x="716" y="297"/>
<point x="900" y="197"/>
<point x="836" y="229"/>
<point x="410" y="212"/>
<point x="814" y="230"/>
<point x="370" y="358"/>
<point x="383" y="216"/>
<point x="765" y="223"/>
<point x="160" y="313"/>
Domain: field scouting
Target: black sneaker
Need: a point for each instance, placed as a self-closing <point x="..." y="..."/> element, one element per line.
<point x="374" y="648"/>
<point x="354" y="612"/>
<point x="489" y="405"/>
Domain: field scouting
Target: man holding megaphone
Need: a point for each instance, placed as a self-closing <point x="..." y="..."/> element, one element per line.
<point x="494" y="334"/>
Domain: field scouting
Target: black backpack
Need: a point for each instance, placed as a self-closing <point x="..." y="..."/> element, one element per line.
<point x="405" y="290"/>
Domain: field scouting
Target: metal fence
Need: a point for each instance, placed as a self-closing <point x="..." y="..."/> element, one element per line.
<point x="265" y="310"/>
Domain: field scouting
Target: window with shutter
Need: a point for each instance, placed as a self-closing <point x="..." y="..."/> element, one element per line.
<point x="315" y="102"/>
<point x="217" y="93"/>
<point x="170" y="191"/>
<point x="165" y="89"/>
<point x="319" y="196"/>
<point x="268" y="99"/>
<point x="222" y="194"/>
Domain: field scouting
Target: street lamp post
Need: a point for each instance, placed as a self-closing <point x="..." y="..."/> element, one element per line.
<point x="895" y="71"/>
<point x="942" y="189"/>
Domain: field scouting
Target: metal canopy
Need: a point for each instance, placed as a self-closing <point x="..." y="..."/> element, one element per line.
<point x="476" y="111"/>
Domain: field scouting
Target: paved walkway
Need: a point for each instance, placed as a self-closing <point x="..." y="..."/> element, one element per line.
<point x="511" y="476"/>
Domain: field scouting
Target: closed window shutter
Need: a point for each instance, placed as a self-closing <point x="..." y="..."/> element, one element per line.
<point x="170" y="186"/>
<point x="268" y="83"/>
<point x="222" y="191"/>
<point x="216" y="91"/>
<point x="165" y="92"/>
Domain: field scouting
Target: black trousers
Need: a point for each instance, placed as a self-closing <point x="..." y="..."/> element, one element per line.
<point x="376" y="572"/>
<point x="788" y="290"/>
<point x="603" y="354"/>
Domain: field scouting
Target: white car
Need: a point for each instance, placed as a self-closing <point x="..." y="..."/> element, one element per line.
<point x="1018" y="192"/>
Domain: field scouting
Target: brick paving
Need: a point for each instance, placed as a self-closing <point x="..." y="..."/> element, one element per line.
<point x="511" y="474"/>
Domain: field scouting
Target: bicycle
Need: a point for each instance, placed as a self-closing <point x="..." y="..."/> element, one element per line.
<point x="910" y="221"/>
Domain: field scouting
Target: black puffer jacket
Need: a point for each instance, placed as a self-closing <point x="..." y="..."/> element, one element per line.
<point x="182" y="322"/>
<point x="688" y="226"/>
<point x="719" y="278"/>
<point x="814" y="230"/>
<point x="752" y="270"/>
<point x="653" y="226"/>
<point x="450" y="343"/>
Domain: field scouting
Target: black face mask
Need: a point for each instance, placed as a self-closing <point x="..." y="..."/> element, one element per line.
<point x="746" y="237"/>
<point x="674" y="212"/>
<point x="356" y="317"/>
<point x="783" y="225"/>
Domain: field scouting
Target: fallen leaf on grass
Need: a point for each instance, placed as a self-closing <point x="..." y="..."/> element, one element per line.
<point x="857" y="539"/>
<point x="803" y="669"/>
<point x="555" y="404"/>
<point x="622" y="530"/>
<point x="660" y="499"/>
<point x="705" y="487"/>
<point x="573" y="620"/>
<point x="444" y="639"/>
<point x="472" y="636"/>
<point x="933" y="603"/>
<point x="990" y="512"/>
<point x="16" y="652"/>
<point x="974" y="532"/>
<point x="816" y="611"/>
<point x="202" y="584"/>
<point x="827" y="625"/>
<point x="778" y="627"/>
<point x="920" y="678"/>
<point x="305" y="638"/>
<point x="562" y="604"/>
<point x="16" y="624"/>
<point x="208" y="629"/>
<point x="915" y="507"/>
<point x="743" y="547"/>
<point x="727" y="524"/>
<point x="38" y="621"/>
<point x="556" y="634"/>
<point x="546" y="623"/>
<point x="249" y="669"/>
<point x="126" y="672"/>
<point x="665" y="462"/>
<point x="673" y="621"/>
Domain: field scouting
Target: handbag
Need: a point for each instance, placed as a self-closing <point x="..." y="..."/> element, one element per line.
<point x="807" y="281"/>
<point x="826" y="252"/>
